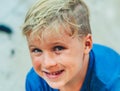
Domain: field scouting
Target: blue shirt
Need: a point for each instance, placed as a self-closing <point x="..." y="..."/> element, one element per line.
<point x="103" y="73"/>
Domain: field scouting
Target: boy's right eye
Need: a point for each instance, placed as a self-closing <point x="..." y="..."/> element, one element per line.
<point x="36" y="50"/>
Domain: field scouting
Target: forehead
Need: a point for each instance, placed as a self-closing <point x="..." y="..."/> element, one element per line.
<point x="50" y="38"/>
<point x="54" y="31"/>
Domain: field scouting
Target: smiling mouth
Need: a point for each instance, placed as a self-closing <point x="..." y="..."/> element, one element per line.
<point x="53" y="75"/>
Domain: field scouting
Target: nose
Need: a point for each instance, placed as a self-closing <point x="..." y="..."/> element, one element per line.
<point x="49" y="61"/>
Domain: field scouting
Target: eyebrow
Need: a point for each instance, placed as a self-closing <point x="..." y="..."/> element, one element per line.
<point x="58" y="43"/>
<point x="32" y="46"/>
<point x="50" y="44"/>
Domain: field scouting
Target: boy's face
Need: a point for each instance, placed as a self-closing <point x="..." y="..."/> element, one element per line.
<point x="59" y="60"/>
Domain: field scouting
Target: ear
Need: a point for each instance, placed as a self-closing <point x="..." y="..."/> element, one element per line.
<point x="88" y="43"/>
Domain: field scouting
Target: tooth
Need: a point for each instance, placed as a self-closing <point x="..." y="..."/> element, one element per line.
<point x="52" y="73"/>
<point x="55" y="73"/>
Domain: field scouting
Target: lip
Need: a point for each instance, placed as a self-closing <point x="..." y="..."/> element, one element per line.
<point x="53" y="75"/>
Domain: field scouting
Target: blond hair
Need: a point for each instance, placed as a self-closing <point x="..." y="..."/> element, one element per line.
<point x="51" y="13"/>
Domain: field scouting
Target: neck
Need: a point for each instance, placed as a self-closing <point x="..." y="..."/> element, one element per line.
<point x="77" y="84"/>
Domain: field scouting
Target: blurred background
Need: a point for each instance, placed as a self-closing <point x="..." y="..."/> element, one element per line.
<point x="14" y="57"/>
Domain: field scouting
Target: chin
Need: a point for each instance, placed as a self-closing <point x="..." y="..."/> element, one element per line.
<point x="56" y="85"/>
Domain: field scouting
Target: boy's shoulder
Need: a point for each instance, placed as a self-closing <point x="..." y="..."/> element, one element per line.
<point x="105" y="53"/>
<point x="36" y="83"/>
<point x="103" y="48"/>
<point x="106" y="65"/>
<point x="33" y="81"/>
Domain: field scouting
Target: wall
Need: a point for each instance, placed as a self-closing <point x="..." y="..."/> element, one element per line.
<point x="105" y="24"/>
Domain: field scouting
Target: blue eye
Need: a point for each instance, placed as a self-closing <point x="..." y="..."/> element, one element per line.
<point x="36" y="50"/>
<point x="58" y="48"/>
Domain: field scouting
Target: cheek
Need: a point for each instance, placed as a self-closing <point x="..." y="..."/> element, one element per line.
<point x="74" y="56"/>
<point x="73" y="60"/>
<point x="36" y="63"/>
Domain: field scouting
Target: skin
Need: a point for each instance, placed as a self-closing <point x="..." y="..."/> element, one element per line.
<point x="61" y="60"/>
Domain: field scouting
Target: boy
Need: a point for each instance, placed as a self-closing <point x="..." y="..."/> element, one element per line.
<point x="63" y="55"/>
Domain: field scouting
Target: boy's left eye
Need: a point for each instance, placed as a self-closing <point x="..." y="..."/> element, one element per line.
<point x="58" y="48"/>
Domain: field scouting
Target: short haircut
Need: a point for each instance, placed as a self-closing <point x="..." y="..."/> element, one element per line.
<point x="51" y="13"/>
